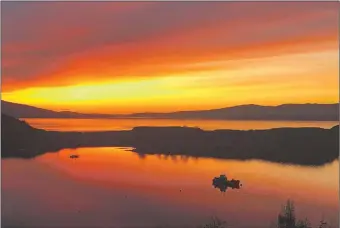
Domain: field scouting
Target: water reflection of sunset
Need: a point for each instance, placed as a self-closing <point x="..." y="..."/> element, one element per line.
<point x="161" y="179"/>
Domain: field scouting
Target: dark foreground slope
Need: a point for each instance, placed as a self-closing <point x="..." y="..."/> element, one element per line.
<point x="18" y="139"/>
<point x="306" y="146"/>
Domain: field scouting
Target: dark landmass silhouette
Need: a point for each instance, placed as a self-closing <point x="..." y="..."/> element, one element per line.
<point x="27" y="111"/>
<point x="304" y="146"/>
<point x="321" y="112"/>
<point x="317" y="112"/>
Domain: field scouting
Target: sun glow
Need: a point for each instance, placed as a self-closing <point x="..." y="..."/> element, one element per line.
<point x="301" y="78"/>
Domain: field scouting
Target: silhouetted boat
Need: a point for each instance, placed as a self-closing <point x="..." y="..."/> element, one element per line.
<point x="222" y="183"/>
<point x="74" y="156"/>
<point x="221" y="180"/>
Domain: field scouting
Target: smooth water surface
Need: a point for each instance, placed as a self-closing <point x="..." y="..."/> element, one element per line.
<point x="127" y="124"/>
<point x="113" y="187"/>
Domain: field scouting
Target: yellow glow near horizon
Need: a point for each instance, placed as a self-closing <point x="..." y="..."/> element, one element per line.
<point x="298" y="78"/>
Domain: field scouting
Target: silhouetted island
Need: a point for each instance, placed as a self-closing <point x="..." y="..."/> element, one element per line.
<point x="305" y="146"/>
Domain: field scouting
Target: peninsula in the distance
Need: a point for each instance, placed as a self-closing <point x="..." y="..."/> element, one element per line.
<point x="301" y="112"/>
<point x="304" y="146"/>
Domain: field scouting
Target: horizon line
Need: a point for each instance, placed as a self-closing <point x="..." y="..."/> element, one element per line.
<point x="200" y="110"/>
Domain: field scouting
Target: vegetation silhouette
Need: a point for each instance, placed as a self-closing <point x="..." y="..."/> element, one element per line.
<point x="285" y="219"/>
<point x="303" y="146"/>
<point x="215" y="223"/>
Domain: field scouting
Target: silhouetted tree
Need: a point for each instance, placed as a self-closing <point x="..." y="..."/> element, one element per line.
<point x="287" y="219"/>
<point x="303" y="224"/>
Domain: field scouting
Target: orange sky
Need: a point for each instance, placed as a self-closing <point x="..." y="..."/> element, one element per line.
<point x="115" y="57"/>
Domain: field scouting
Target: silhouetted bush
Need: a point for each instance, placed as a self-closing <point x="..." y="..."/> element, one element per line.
<point x="215" y="223"/>
<point x="287" y="218"/>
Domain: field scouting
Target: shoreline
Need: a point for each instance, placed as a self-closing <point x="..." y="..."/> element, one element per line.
<point x="304" y="146"/>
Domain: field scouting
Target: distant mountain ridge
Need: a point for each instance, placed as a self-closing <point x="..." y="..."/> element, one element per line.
<point x="323" y="112"/>
<point x="316" y="112"/>
<point x="27" y="111"/>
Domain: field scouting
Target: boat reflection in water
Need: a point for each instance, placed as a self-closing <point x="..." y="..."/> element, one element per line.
<point x="223" y="183"/>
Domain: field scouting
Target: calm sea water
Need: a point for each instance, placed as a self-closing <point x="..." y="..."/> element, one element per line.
<point x="127" y="124"/>
<point x="113" y="187"/>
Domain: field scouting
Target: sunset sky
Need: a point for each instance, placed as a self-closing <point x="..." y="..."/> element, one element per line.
<point x="123" y="57"/>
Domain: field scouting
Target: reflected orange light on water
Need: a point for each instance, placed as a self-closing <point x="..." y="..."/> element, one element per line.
<point x="188" y="180"/>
